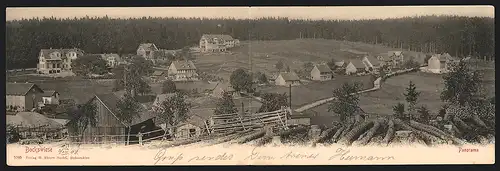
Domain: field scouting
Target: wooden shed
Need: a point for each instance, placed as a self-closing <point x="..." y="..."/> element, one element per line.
<point x="109" y="128"/>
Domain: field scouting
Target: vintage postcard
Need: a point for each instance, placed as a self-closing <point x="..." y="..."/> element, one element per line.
<point x="360" y="85"/>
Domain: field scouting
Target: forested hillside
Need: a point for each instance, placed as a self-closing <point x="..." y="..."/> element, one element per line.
<point x="453" y="34"/>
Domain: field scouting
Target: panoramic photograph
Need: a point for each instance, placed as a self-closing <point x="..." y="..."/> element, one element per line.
<point x="213" y="85"/>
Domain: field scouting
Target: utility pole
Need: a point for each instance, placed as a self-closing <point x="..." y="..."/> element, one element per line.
<point x="242" y="108"/>
<point x="290" y="95"/>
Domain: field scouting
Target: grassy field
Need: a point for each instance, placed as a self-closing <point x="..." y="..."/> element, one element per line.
<point x="430" y="87"/>
<point x="81" y="90"/>
<point x="391" y="92"/>
<point x="304" y="94"/>
<point x="265" y="54"/>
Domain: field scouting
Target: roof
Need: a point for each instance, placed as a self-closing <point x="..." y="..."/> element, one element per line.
<point x="218" y="36"/>
<point x="323" y="68"/>
<point x="61" y="121"/>
<point x="160" y="98"/>
<point x="289" y="76"/>
<point x="106" y="56"/>
<point x="358" y="64"/>
<point x="20" y="89"/>
<point x="157" y="73"/>
<point x="32" y="119"/>
<point x="48" y="93"/>
<point x="46" y="52"/>
<point x="221" y="86"/>
<point x="372" y="60"/>
<point x="339" y="63"/>
<point x="148" y="46"/>
<point x="162" y="53"/>
<point x="110" y="100"/>
<point x="442" y="57"/>
<point x="397" y="53"/>
<point x="184" y="64"/>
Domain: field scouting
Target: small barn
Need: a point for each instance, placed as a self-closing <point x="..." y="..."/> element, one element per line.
<point x="224" y="87"/>
<point x="22" y="96"/>
<point x="321" y="73"/>
<point x="287" y="78"/>
<point x="110" y="128"/>
<point x="50" y="97"/>
<point x="355" y="66"/>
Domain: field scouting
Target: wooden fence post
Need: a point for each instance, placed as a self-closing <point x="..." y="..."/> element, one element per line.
<point x="128" y="136"/>
<point x="140" y="138"/>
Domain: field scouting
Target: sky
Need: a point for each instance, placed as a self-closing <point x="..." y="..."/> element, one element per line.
<point x="296" y="12"/>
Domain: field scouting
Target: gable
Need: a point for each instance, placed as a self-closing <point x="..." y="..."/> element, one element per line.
<point x="315" y="70"/>
<point x="21" y="89"/>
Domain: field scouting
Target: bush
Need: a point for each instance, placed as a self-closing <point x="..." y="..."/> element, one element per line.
<point x="13" y="135"/>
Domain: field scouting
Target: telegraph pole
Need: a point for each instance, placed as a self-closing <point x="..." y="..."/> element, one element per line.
<point x="290" y="95"/>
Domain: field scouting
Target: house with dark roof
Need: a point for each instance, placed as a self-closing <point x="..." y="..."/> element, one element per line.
<point x="321" y="73"/>
<point x="52" y="61"/>
<point x="50" y="97"/>
<point x="217" y="42"/>
<point x="110" y="127"/>
<point x="355" y="66"/>
<point x="22" y="96"/>
<point x="184" y="70"/>
<point x="287" y="78"/>
<point x="146" y="50"/>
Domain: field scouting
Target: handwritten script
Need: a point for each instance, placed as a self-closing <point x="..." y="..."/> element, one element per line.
<point x="257" y="154"/>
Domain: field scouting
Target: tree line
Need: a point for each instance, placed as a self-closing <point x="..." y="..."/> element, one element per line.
<point x="457" y="35"/>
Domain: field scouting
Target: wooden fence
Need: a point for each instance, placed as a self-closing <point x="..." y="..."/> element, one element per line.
<point x="224" y="123"/>
<point x="235" y="121"/>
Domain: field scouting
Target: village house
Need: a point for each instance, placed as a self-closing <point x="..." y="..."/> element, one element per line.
<point x="112" y="59"/>
<point x="52" y="61"/>
<point x="50" y="97"/>
<point x="396" y="58"/>
<point x="217" y="42"/>
<point x="182" y="71"/>
<point x="440" y="63"/>
<point x="146" y="50"/>
<point x="109" y="127"/>
<point x="158" y="74"/>
<point x="159" y="99"/>
<point x="194" y="126"/>
<point x="339" y="63"/>
<point x="370" y="62"/>
<point x="162" y="54"/>
<point x="355" y="66"/>
<point x="321" y="73"/>
<point x="22" y="96"/>
<point x="287" y="78"/>
<point x="224" y="87"/>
